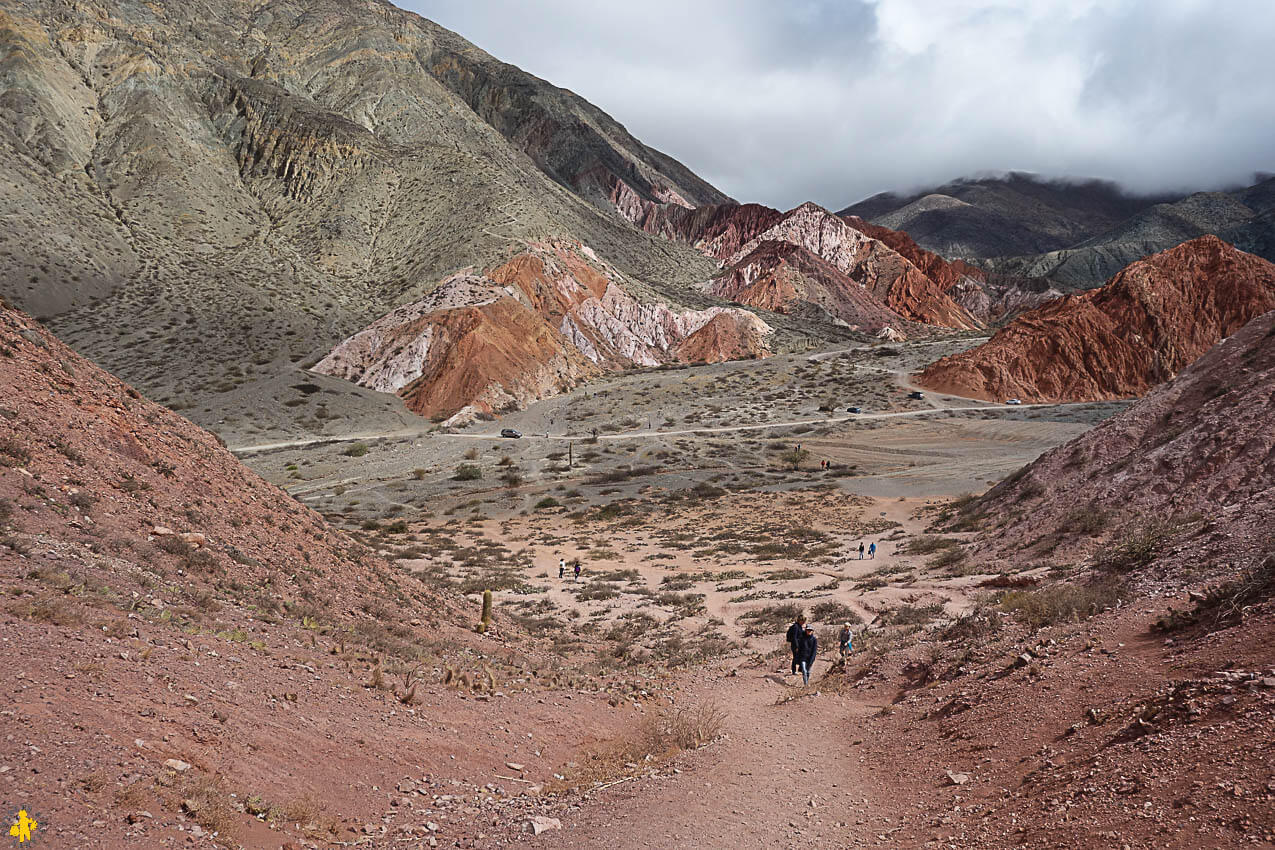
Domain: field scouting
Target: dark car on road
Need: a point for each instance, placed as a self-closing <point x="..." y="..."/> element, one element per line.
<point x="916" y="394"/>
<point x="853" y="410"/>
<point x="510" y="432"/>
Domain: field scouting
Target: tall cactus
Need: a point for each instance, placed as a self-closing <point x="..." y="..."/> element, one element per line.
<point x="486" y="623"/>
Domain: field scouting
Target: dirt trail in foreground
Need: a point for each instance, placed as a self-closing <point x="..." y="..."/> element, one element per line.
<point x="783" y="775"/>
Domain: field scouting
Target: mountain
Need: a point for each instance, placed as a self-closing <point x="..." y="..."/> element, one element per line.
<point x="1242" y="218"/>
<point x="1144" y="326"/>
<point x="207" y="198"/>
<point x="1027" y="233"/>
<point x="1200" y="444"/>
<point x="1009" y="215"/>
<point x="843" y="268"/>
<point x="535" y="326"/>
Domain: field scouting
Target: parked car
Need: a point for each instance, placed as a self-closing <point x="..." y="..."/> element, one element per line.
<point x="853" y="410"/>
<point x="916" y="394"/>
<point x="1013" y="401"/>
<point x="510" y="432"/>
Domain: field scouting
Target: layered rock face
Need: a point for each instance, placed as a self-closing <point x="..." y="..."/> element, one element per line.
<point x="533" y="327"/>
<point x="837" y="268"/>
<point x="1139" y="330"/>
<point x="1200" y="444"/>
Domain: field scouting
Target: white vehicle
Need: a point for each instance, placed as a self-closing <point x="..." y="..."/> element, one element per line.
<point x="1013" y="401"/>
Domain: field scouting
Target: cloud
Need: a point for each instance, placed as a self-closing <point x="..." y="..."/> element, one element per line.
<point x="833" y="100"/>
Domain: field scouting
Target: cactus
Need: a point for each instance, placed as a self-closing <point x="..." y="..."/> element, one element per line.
<point x="486" y="623"/>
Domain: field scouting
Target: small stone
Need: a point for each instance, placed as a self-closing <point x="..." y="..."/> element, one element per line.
<point x="191" y="699"/>
<point x="540" y="823"/>
<point x="513" y="765"/>
<point x="957" y="778"/>
<point x="177" y="765"/>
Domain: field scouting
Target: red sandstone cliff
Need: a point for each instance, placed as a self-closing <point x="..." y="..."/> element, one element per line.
<point x="1143" y="327"/>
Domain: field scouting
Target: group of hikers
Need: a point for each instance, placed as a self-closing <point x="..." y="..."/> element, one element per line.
<point x="805" y="646"/>
<point x="872" y="550"/>
<point x="562" y="568"/>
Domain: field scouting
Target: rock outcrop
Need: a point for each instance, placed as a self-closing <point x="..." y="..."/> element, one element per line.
<point x="830" y="264"/>
<point x="1139" y="330"/>
<point x="533" y="327"/>
<point x="1201" y="444"/>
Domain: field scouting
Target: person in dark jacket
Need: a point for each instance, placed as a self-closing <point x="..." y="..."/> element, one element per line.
<point x="809" y="645"/>
<point x="794" y="641"/>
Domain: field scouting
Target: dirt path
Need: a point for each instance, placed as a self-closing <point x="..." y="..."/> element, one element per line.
<point x="783" y="775"/>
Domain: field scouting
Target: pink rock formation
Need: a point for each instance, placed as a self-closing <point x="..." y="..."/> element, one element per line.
<point x="732" y="234"/>
<point x="533" y="327"/>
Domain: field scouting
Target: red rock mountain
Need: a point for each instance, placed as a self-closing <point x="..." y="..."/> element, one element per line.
<point x="1143" y="327"/>
<point x="535" y="326"/>
<point x="1201" y="444"/>
<point x="839" y="262"/>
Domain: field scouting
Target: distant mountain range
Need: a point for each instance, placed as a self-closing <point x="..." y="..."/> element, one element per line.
<point x="1068" y="234"/>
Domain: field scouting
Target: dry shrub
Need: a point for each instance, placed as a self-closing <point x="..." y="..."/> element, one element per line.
<point x="1062" y="602"/>
<point x="306" y="813"/>
<point x="911" y="615"/>
<point x="834" y="612"/>
<point x="208" y="803"/>
<point x="683" y="728"/>
<point x="50" y="608"/>
<point x="1137" y="548"/>
<point x="928" y="544"/>
<point x="771" y="618"/>
<point x="1224" y="605"/>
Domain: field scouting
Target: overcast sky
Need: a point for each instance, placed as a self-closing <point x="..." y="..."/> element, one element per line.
<point x="781" y="101"/>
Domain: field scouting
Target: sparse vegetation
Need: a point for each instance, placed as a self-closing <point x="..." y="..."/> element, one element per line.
<point x="1062" y="602"/>
<point x="1136" y="548"/>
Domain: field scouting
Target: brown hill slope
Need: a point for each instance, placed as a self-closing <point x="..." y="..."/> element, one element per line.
<point x="205" y="198"/>
<point x="1199" y="446"/>
<point x="186" y="646"/>
<point x="1139" y="330"/>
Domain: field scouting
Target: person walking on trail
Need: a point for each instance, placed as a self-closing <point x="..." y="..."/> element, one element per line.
<point x="562" y="567"/>
<point x="809" y="649"/>
<point x="844" y="639"/>
<point x="577" y="571"/>
<point x="794" y="641"/>
<point x="860" y="550"/>
<point x="872" y="551"/>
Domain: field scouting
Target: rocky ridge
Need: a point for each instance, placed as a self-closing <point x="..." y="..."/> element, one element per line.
<point x="839" y="269"/>
<point x="1139" y="330"/>
<point x="535" y="326"/>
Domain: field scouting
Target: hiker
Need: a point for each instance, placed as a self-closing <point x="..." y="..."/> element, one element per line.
<point x="860" y="550"/>
<point x="809" y="649"/>
<point x="872" y="550"/>
<point x="562" y="567"/>
<point x="794" y="641"/>
<point x="844" y="639"/>
<point x="577" y="568"/>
